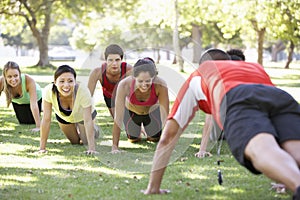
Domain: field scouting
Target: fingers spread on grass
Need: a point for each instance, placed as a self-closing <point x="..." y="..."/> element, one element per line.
<point x="116" y="151"/>
<point x="161" y="191"/>
<point x="42" y="151"/>
<point x="35" y="130"/>
<point x="203" y="154"/>
<point x="91" y="152"/>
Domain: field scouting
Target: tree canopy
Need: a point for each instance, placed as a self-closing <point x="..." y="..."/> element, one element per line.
<point x="138" y="24"/>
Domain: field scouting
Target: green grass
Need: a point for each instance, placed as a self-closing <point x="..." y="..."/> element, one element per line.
<point x="65" y="172"/>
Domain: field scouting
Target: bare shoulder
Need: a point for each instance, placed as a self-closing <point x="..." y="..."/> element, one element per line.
<point x="125" y="83"/>
<point x="29" y="79"/>
<point x="128" y="67"/>
<point x="95" y="75"/>
<point x="159" y="81"/>
<point x="96" y="71"/>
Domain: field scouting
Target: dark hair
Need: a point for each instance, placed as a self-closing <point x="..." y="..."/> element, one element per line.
<point x="214" y="54"/>
<point x="113" y="49"/>
<point x="148" y="58"/>
<point x="6" y="87"/>
<point x="59" y="71"/>
<point x="236" y="54"/>
<point x="144" y="65"/>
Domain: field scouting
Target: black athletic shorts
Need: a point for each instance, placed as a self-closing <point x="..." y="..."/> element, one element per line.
<point x="24" y="114"/>
<point x="253" y="109"/>
<point x="151" y="122"/>
<point x="110" y="102"/>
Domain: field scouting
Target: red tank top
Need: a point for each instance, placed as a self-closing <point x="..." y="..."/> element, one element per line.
<point x="152" y="100"/>
<point x="108" y="86"/>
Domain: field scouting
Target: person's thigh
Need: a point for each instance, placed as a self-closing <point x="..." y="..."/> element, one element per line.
<point x="70" y="132"/>
<point x="153" y="124"/>
<point x="23" y="113"/>
<point x="287" y="125"/>
<point x="243" y="122"/>
<point x="293" y="148"/>
<point x="132" y="123"/>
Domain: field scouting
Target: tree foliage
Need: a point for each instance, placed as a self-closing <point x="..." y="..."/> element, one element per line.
<point x="142" y="24"/>
<point x="41" y="15"/>
<point x="285" y="23"/>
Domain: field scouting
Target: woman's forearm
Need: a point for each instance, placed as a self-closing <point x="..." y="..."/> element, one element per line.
<point x="90" y="134"/>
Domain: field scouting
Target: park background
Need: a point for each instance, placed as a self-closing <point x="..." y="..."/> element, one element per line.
<point x="42" y="34"/>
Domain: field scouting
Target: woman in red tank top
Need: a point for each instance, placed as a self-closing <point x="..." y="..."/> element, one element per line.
<point x="141" y="99"/>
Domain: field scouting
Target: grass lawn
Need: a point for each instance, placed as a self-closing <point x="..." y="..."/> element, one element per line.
<point x="65" y="172"/>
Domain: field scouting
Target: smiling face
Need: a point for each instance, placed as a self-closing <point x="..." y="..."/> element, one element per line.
<point x="12" y="77"/>
<point x="113" y="64"/>
<point x="65" y="84"/>
<point x="143" y="81"/>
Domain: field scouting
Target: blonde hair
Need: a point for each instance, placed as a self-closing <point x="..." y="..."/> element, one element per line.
<point x="6" y="87"/>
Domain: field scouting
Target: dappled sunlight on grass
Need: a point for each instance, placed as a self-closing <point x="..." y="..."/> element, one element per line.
<point x="128" y="145"/>
<point x="8" y="126"/>
<point x="11" y="148"/>
<point x="237" y="190"/>
<point x="12" y="179"/>
<point x="194" y="176"/>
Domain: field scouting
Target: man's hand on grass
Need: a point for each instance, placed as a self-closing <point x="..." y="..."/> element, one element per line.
<point x="161" y="191"/>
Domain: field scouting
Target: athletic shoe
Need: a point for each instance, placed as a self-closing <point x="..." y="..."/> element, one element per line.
<point x="96" y="131"/>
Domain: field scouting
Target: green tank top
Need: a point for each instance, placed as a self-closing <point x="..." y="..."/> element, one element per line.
<point x="25" y="98"/>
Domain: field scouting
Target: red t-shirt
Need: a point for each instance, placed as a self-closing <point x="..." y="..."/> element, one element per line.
<point x="206" y="87"/>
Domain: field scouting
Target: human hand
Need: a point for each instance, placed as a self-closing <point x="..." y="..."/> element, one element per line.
<point x="115" y="151"/>
<point x="42" y="151"/>
<point x="91" y="152"/>
<point x="161" y="191"/>
<point x="203" y="154"/>
<point x="36" y="129"/>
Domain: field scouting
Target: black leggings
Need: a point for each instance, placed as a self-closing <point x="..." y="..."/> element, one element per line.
<point x="151" y="122"/>
<point x="24" y="114"/>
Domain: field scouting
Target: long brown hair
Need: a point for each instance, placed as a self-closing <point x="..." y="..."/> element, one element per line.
<point x="6" y="87"/>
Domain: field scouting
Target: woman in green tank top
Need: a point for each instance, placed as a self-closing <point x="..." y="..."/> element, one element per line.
<point x="24" y="94"/>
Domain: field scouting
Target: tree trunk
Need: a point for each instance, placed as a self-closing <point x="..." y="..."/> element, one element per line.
<point x="260" y="43"/>
<point x="158" y="56"/>
<point x="176" y="39"/>
<point x="261" y="35"/>
<point x="290" y="56"/>
<point x="276" y="48"/>
<point x="43" y="35"/>
<point x="197" y="40"/>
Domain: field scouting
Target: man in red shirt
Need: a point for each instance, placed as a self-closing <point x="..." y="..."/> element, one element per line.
<point x="260" y="122"/>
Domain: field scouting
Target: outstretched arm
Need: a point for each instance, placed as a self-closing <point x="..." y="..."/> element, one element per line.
<point x="163" y="97"/>
<point x="94" y="76"/>
<point x="89" y="130"/>
<point x="122" y="90"/>
<point x="31" y="88"/>
<point x="205" y="137"/>
<point x="45" y="125"/>
<point x="170" y="136"/>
